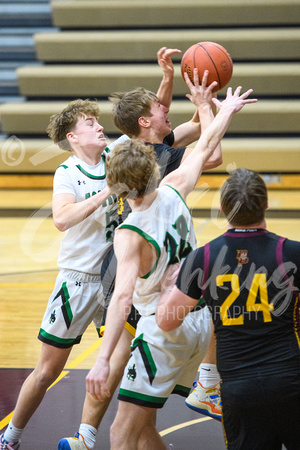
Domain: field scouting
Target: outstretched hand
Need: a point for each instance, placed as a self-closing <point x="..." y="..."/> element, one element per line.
<point x="200" y="94"/>
<point x="235" y="100"/>
<point x="164" y="60"/>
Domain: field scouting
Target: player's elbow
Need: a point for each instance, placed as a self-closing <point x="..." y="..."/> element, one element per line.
<point x="163" y="320"/>
<point x="60" y="224"/>
<point x="213" y="162"/>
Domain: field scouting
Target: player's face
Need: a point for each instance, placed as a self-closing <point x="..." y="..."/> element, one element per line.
<point x="89" y="134"/>
<point x="159" y="119"/>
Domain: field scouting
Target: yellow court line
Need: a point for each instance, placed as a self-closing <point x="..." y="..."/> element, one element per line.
<point x="183" y="425"/>
<point x="71" y="365"/>
<point x="84" y="354"/>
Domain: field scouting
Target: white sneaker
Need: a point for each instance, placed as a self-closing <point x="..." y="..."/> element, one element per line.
<point x="73" y="443"/>
<point x="4" y="445"/>
<point x="206" y="401"/>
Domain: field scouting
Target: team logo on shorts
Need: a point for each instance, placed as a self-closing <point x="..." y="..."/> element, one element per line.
<point x="52" y="317"/>
<point x="242" y="257"/>
<point x="131" y="374"/>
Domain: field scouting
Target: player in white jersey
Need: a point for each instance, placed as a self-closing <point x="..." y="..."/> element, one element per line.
<point x="82" y="251"/>
<point x="160" y="360"/>
<point x="83" y="208"/>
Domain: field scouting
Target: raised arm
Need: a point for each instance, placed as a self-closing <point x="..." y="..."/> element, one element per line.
<point x="202" y="97"/>
<point x="165" y="90"/>
<point x="186" y="176"/>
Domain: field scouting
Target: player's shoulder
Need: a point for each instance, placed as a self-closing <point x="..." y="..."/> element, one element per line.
<point x="67" y="164"/>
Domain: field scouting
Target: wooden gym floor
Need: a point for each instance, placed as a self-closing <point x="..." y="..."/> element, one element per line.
<point x="29" y="245"/>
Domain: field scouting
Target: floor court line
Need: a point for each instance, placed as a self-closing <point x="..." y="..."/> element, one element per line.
<point x="72" y="365"/>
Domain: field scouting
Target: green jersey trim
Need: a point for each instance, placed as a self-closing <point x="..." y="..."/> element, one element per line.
<point x="144" y="397"/>
<point x="58" y="340"/>
<point x="178" y="193"/>
<point x="149" y="239"/>
<point x="89" y="175"/>
<point x="63" y="166"/>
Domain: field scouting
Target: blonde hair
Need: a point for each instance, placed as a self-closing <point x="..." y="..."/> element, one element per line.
<point x="62" y="123"/>
<point x="128" y="107"/>
<point x="244" y="198"/>
<point x="132" y="170"/>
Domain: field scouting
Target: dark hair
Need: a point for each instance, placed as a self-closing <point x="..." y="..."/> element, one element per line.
<point x="244" y="198"/>
<point x="128" y="107"/>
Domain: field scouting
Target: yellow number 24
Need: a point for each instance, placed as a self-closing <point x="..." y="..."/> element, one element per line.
<point x="259" y="283"/>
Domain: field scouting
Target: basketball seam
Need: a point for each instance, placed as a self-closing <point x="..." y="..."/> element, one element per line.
<point x="217" y="72"/>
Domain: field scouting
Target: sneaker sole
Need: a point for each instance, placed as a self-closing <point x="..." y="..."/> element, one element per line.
<point x="205" y="412"/>
<point x="64" y="445"/>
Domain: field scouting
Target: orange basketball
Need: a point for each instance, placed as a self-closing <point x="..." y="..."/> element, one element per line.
<point x="208" y="56"/>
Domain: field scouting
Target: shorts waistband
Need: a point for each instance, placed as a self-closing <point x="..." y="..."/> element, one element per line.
<point x="81" y="276"/>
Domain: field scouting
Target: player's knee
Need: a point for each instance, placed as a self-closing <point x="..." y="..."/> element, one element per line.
<point x="45" y="376"/>
<point x="116" y="435"/>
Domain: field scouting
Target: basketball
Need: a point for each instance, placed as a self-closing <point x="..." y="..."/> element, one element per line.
<point x="208" y="56"/>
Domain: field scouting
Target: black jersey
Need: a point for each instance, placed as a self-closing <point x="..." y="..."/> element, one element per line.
<point x="250" y="281"/>
<point x="168" y="158"/>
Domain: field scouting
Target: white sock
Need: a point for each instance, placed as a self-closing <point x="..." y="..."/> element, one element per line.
<point x="89" y="434"/>
<point x="12" y="434"/>
<point x="208" y="375"/>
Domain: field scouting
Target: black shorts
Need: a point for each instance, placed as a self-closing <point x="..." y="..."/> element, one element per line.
<point x="108" y="276"/>
<point x="262" y="412"/>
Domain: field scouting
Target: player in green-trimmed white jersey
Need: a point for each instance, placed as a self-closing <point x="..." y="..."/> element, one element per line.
<point x="160" y="362"/>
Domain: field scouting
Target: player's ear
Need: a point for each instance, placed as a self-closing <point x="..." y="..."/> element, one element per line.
<point x="71" y="136"/>
<point x="220" y="207"/>
<point x="143" y="122"/>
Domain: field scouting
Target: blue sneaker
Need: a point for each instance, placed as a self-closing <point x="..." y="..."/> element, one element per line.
<point x="206" y="401"/>
<point x="72" y="443"/>
<point x="4" y="445"/>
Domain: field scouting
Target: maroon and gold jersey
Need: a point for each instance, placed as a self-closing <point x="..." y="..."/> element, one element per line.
<point x="250" y="280"/>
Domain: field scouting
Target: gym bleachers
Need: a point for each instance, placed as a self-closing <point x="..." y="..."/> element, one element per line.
<point x="100" y="46"/>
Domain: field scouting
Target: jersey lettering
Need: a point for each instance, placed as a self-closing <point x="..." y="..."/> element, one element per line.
<point x="258" y="286"/>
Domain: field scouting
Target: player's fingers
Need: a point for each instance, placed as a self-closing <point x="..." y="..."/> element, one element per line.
<point x="170" y="51"/>
<point x="246" y="94"/>
<point x="212" y="86"/>
<point x="229" y="92"/>
<point x="216" y="102"/>
<point x="204" y="78"/>
<point x="188" y="81"/>
<point x="237" y="91"/>
<point x="161" y="51"/>
<point x="250" y="100"/>
<point x="196" y="77"/>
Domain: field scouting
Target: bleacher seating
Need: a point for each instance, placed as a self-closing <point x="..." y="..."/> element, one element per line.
<point x="101" y="46"/>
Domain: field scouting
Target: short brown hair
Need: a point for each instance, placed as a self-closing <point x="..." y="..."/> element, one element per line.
<point x="128" y="107"/>
<point x="244" y="198"/>
<point x="62" y="123"/>
<point x="132" y="169"/>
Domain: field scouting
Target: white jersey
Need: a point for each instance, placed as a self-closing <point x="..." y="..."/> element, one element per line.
<point x="85" y="245"/>
<point x="167" y="225"/>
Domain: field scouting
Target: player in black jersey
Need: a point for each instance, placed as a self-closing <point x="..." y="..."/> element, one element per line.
<point x="250" y="279"/>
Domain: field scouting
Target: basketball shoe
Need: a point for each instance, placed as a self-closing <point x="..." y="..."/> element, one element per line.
<point x="206" y="401"/>
<point x="4" y="445"/>
<point x="73" y="443"/>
